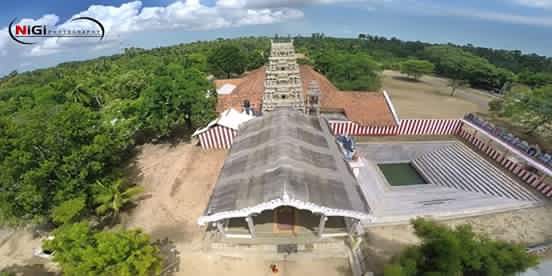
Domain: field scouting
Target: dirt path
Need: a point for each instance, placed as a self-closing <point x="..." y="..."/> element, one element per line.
<point x="17" y="247"/>
<point x="430" y="97"/>
<point x="179" y="180"/>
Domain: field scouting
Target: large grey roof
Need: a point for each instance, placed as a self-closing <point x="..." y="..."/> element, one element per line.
<point x="285" y="158"/>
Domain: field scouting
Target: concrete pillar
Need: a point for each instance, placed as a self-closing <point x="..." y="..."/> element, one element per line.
<point x="250" y="225"/>
<point x="220" y="227"/>
<point x="322" y="224"/>
<point x="353" y="227"/>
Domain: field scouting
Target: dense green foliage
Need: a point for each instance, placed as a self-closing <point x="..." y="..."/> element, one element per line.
<point x="460" y="65"/>
<point x="445" y="251"/>
<point x="512" y="60"/>
<point x="349" y="71"/>
<point x="415" y="68"/>
<point x="80" y="250"/>
<point x="65" y="128"/>
<point x="68" y="211"/>
<point x="481" y="67"/>
<point x="528" y="109"/>
<point x="227" y="60"/>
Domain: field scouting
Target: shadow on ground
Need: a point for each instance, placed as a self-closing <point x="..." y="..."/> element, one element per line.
<point x="175" y="233"/>
<point x="170" y="255"/>
<point x="28" y="270"/>
<point x="407" y="79"/>
<point x="378" y="251"/>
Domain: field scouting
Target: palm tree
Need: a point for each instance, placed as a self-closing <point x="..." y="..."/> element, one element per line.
<point x="79" y="94"/>
<point x="112" y="198"/>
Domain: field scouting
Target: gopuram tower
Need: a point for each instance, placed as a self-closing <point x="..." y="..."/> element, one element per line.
<point x="283" y="87"/>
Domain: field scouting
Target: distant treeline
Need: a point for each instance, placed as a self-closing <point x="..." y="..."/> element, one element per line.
<point x="481" y="67"/>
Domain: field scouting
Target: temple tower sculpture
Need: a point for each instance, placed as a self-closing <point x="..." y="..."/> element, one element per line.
<point x="283" y="87"/>
<point x="313" y="99"/>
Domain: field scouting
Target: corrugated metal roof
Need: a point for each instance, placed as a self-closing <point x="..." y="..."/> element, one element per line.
<point x="285" y="156"/>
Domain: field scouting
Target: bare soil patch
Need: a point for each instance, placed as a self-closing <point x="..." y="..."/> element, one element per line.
<point x="16" y="252"/>
<point x="430" y="97"/>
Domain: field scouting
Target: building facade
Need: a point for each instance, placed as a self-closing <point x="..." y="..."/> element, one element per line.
<point x="283" y="87"/>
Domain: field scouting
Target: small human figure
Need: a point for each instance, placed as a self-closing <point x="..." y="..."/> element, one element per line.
<point x="274" y="268"/>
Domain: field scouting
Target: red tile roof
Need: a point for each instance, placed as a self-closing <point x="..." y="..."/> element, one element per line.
<point x="251" y="87"/>
<point x="220" y="83"/>
<point x="365" y="108"/>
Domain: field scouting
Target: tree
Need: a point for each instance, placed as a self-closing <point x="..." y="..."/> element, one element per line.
<point x="255" y="60"/>
<point x="68" y="210"/>
<point x="227" y="60"/>
<point x="179" y="98"/>
<point x="112" y="197"/>
<point x="349" y="71"/>
<point x="459" y="251"/>
<point x="455" y="84"/>
<point x="197" y="61"/>
<point x="457" y="64"/>
<point x="528" y="108"/>
<point x="80" y="250"/>
<point x="416" y="68"/>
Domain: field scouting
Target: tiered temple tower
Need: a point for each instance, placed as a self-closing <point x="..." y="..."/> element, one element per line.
<point x="283" y="88"/>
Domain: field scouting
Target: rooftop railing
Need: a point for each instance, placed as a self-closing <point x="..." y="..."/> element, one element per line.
<point x="532" y="151"/>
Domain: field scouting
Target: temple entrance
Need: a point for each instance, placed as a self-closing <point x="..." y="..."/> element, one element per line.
<point x="284" y="218"/>
<point x="285" y="223"/>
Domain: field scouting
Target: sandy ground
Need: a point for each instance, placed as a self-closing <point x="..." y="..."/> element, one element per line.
<point x="179" y="180"/>
<point x="17" y="247"/>
<point x="430" y="97"/>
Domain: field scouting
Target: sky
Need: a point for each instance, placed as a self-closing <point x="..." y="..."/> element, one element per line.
<point x="507" y="24"/>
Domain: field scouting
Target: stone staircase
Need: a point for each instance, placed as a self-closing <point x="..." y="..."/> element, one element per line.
<point x="457" y="166"/>
<point x="334" y="248"/>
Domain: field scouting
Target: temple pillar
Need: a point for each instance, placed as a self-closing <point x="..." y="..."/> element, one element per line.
<point x="322" y="224"/>
<point x="220" y="227"/>
<point x="250" y="225"/>
<point x="353" y="227"/>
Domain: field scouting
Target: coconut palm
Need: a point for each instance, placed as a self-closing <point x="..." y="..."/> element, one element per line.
<point x="113" y="197"/>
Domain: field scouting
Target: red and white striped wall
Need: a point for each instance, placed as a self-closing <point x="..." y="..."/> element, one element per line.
<point x="528" y="177"/>
<point x="217" y="137"/>
<point x="406" y="127"/>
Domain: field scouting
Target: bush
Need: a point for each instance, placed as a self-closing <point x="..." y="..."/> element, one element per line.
<point x="80" y="250"/>
<point x="496" y="105"/>
<point x="459" y="251"/>
<point x="68" y="210"/>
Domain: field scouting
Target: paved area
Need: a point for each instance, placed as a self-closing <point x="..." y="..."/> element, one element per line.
<point x="398" y="204"/>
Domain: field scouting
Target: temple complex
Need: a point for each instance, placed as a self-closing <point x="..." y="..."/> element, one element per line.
<point x="293" y="175"/>
<point x="283" y="87"/>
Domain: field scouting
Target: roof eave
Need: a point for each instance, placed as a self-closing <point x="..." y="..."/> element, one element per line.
<point x="270" y="205"/>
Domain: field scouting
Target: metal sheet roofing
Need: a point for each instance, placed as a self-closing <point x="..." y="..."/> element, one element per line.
<point x="285" y="158"/>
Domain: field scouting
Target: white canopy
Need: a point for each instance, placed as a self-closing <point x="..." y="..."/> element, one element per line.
<point x="226" y="89"/>
<point x="230" y="118"/>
